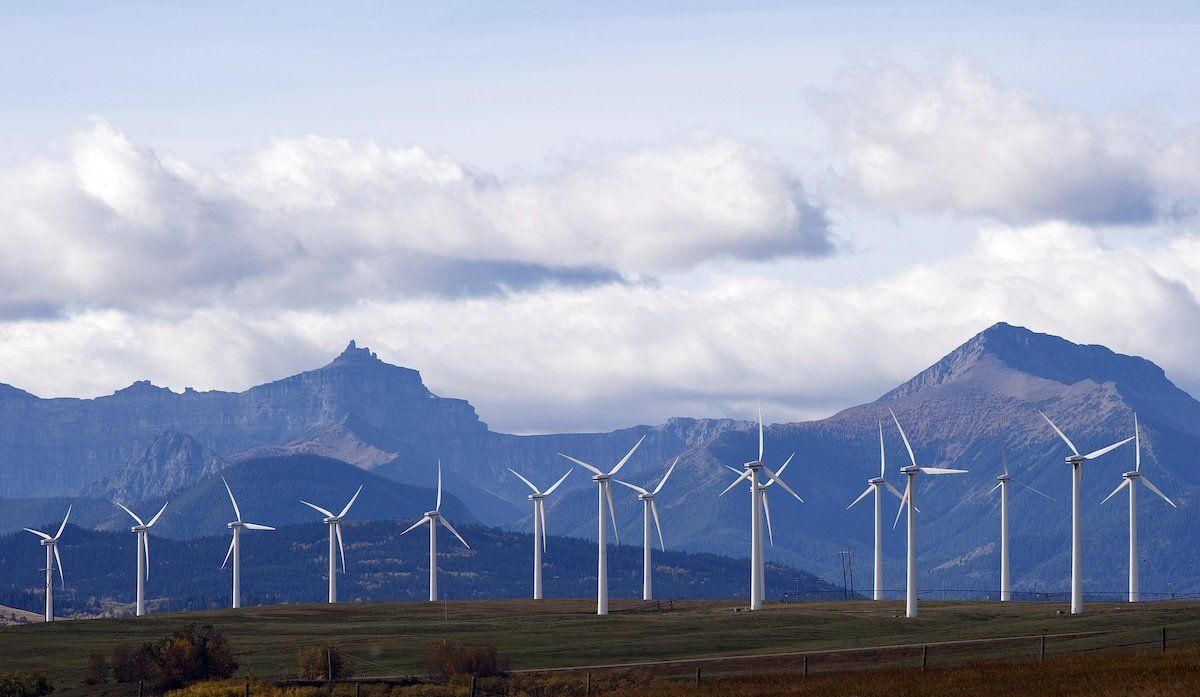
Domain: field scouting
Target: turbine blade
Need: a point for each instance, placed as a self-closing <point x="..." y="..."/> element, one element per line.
<point x="635" y="487"/>
<point x="541" y="514"/>
<point x="1137" y="445"/>
<point x="894" y="491"/>
<point x="627" y="456"/>
<point x="256" y="526"/>
<point x="882" y="457"/>
<point x="657" y="525"/>
<point x="350" y="502"/>
<point x="733" y="469"/>
<point x="560" y="481"/>
<point x="1003" y="459"/>
<point x="779" y="472"/>
<point x="1032" y="489"/>
<point x="1124" y="483"/>
<point x="911" y="457"/>
<point x="228" y="553"/>
<point x="451" y="529"/>
<point x="582" y="464"/>
<point x="58" y="562"/>
<point x="1097" y="453"/>
<point x="438" y="505"/>
<point x="1060" y="433"/>
<point x="903" y="501"/>
<point x="146" y="550"/>
<point x="666" y="476"/>
<point x="861" y="496"/>
<point x="527" y="482"/>
<point x="941" y="470"/>
<point x="742" y="476"/>
<point x="337" y="531"/>
<point x="612" y="512"/>
<point x="781" y="483"/>
<point x="767" y="513"/>
<point x="131" y="513"/>
<point x="40" y="534"/>
<point x="1153" y="488"/>
<point x="318" y="509"/>
<point x="415" y="525"/>
<point x="760" y="432"/>
<point x="64" y="524"/>
<point x="236" y="511"/>
<point x="157" y="516"/>
<point x="993" y="489"/>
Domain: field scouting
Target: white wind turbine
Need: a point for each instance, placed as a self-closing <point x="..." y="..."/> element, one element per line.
<point x="908" y="502"/>
<point x="648" y="510"/>
<point x="758" y="504"/>
<point x="1003" y="481"/>
<point x="1076" y="461"/>
<point x="335" y="534"/>
<point x="539" y="527"/>
<point x="235" y="547"/>
<point x="604" y="493"/>
<point x="433" y="518"/>
<point x="142" y="531"/>
<point x="878" y="485"/>
<point x="1131" y="481"/>
<point x="51" y="545"/>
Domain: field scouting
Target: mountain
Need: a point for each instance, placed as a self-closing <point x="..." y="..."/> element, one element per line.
<point x="958" y="412"/>
<point x="289" y="565"/>
<point x="172" y="461"/>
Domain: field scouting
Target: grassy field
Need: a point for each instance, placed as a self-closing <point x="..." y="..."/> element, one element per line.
<point x="392" y="638"/>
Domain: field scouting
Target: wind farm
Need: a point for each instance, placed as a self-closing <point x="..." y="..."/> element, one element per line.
<point x="533" y="349"/>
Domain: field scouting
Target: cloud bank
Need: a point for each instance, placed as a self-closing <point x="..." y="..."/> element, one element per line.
<point x="314" y="221"/>
<point x="955" y="138"/>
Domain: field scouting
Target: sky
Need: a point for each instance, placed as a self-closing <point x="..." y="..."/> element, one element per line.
<point x="586" y="216"/>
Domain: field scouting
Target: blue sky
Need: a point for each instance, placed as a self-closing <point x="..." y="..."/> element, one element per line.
<point x="219" y="194"/>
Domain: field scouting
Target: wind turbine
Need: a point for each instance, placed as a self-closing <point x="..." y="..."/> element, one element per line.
<point x="1075" y="460"/>
<point x="1131" y="481"/>
<point x="335" y="532"/>
<point x="1003" y="481"/>
<point x="908" y="501"/>
<point x="758" y="504"/>
<point x="539" y="527"/>
<point x="433" y="518"/>
<point x="878" y="485"/>
<point x="143" y="553"/>
<point x="648" y="510"/>
<point x="604" y="493"/>
<point x="51" y="545"/>
<point x="235" y="547"/>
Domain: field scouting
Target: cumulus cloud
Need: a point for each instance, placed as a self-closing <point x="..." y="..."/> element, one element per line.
<point x="613" y="355"/>
<point x="313" y="221"/>
<point x="956" y="138"/>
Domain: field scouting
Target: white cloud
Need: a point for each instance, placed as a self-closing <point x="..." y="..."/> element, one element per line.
<point x="318" y="221"/>
<point x="613" y="355"/>
<point x="957" y="139"/>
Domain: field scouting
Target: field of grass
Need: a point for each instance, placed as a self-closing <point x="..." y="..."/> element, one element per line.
<point x="392" y="638"/>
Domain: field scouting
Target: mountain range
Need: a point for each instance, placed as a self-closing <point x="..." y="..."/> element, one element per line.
<point x="383" y="428"/>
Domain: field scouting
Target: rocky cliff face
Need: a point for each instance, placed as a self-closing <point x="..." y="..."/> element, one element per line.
<point x="172" y="461"/>
<point x="58" y="446"/>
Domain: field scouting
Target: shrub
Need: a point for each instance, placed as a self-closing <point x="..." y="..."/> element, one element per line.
<point x="22" y="684"/>
<point x="97" y="670"/>
<point x="322" y="662"/>
<point x="194" y="654"/>
<point x="451" y="658"/>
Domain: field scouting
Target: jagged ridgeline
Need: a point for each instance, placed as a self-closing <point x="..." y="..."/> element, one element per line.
<point x="377" y="424"/>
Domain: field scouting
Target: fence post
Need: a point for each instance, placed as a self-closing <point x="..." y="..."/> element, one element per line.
<point x="246" y="690"/>
<point x="806" y="666"/>
<point x="357" y="689"/>
<point x="473" y="692"/>
<point x="924" y="657"/>
<point x="1164" y="639"/>
<point x="141" y="684"/>
<point x="589" y="685"/>
<point x="329" y="663"/>
<point x="697" y="677"/>
<point x="1042" y="655"/>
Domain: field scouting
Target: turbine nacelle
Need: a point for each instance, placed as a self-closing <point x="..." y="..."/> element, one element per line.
<point x="1131" y="475"/>
<point x="910" y="469"/>
<point x="432" y="514"/>
<point x="875" y="480"/>
<point x="1075" y="459"/>
<point x="1004" y="477"/>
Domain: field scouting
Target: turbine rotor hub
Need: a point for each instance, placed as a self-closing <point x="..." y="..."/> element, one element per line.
<point x="1131" y="475"/>
<point x="875" y="480"/>
<point x="432" y="514"/>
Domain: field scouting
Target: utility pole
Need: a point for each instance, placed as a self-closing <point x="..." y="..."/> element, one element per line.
<point x="847" y="573"/>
